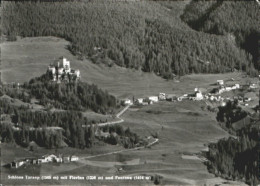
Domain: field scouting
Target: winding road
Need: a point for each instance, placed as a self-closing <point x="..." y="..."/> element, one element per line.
<point x="116" y="122"/>
<point x="116" y="152"/>
<point x="113" y="122"/>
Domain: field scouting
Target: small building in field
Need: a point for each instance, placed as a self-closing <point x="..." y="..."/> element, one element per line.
<point x="198" y="95"/>
<point x="47" y="158"/>
<point x="220" y="82"/>
<point x="74" y="158"/>
<point x="17" y="163"/>
<point x="153" y="98"/>
<point x="237" y="86"/>
<point x="58" y="159"/>
<point x="139" y="100"/>
<point x="126" y="102"/>
<point x="228" y="89"/>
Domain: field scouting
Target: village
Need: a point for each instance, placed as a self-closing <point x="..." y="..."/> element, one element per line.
<point x="44" y="159"/>
<point x="200" y="94"/>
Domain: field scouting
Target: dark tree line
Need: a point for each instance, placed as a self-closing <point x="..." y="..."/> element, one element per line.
<point x="119" y="135"/>
<point x="70" y="96"/>
<point x="238" y="20"/>
<point x="38" y="126"/>
<point x="236" y="159"/>
<point x="27" y="125"/>
<point x="230" y="113"/>
<point x="128" y="33"/>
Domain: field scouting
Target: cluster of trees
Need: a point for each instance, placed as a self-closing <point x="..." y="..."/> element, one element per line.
<point x="130" y="34"/>
<point x="230" y="113"/>
<point x="239" y="20"/>
<point x="36" y="126"/>
<point x="119" y="135"/>
<point x="236" y="159"/>
<point x="14" y="91"/>
<point x="70" y="96"/>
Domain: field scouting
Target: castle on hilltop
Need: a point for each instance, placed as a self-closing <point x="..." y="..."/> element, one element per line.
<point x="60" y="71"/>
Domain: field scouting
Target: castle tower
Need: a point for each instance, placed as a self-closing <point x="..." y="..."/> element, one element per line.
<point x="66" y="65"/>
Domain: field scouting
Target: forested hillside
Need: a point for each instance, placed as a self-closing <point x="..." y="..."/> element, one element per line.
<point x="237" y="19"/>
<point x="146" y="35"/>
<point x="236" y="159"/>
<point x="68" y="96"/>
<point x="50" y="129"/>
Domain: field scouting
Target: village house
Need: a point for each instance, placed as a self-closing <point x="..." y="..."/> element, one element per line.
<point x="153" y="98"/>
<point x="58" y="159"/>
<point x="47" y="158"/>
<point x="228" y="89"/>
<point x="220" y="82"/>
<point x="198" y="95"/>
<point x="162" y="96"/>
<point x="126" y="102"/>
<point x="74" y="158"/>
<point x="17" y="163"/>
<point x="139" y="100"/>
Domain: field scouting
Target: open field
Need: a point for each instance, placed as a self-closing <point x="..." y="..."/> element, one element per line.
<point x="182" y="127"/>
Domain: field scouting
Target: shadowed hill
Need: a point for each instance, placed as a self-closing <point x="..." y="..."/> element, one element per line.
<point x="238" y="19"/>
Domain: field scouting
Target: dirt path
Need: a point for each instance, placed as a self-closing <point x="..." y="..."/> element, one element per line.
<point x="116" y="122"/>
<point x="113" y="122"/>
<point x="116" y="152"/>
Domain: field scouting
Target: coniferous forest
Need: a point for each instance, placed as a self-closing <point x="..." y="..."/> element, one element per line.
<point x="133" y="36"/>
<point x="237" y="19"/>
<point x="22" y="124"/>
<point x="235" y="158"/>
<point x="69" y="100"/>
